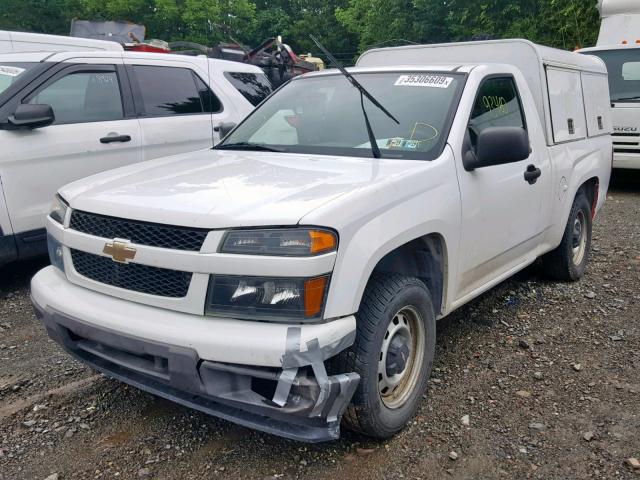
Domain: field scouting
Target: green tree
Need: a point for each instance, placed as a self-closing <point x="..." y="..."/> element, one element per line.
<point x="344" y="26"/>
<point x="569" y="23"/>
<point x="559" y="23"/>
<point x="296" y="19"/>
<point x="194" y="20"/>
<point x="47" y="16"/>
<point x="383" y="21"/>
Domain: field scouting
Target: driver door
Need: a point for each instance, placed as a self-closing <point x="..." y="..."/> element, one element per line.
<point x="500" y="209"/>
<point x="93" y="131"/>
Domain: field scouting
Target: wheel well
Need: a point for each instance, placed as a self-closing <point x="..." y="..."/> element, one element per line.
<point x="591" y="188"/>
<point x="424" y="258"/>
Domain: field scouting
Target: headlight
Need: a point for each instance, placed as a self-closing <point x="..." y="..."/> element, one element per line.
<point x="58" y="209"/>
<point x="55" y="252"/>
<point x="291" y="242"/>
<point x="266" y="298"/>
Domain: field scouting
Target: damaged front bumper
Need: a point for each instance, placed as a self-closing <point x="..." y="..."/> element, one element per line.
<point x="297" y="399"/>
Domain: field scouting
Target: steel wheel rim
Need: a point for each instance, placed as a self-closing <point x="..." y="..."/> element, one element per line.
<point x="406" y="327"/>
<point x="579" y="238"/>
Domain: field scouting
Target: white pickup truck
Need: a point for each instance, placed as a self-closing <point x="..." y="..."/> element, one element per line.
<point x="296" y="271"/>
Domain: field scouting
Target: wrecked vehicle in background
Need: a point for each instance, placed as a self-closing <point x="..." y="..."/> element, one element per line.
<point x="275" y="58"/>
<point x="292" y="276"/>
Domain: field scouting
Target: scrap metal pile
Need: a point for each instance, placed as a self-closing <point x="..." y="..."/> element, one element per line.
<point x="278" y="60"/>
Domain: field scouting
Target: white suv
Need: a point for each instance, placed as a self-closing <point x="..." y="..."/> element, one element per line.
<point x="65" y="116"/>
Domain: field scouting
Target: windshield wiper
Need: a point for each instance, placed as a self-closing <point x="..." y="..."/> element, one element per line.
<point x="363" y="93"/>
<point x="248" y="146"/>
<point x="623" y="99"/>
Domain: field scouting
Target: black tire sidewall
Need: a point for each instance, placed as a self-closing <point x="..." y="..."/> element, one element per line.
<point x="581" y="203"/>
<point x="389" y="421"/>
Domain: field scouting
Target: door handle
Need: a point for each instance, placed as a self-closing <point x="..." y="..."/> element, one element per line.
<point x="115" y="139"/>
<point x="531" y="174"/>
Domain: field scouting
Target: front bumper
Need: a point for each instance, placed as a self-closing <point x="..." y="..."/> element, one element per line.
<point x="295" y="399"/>
<point x="626" y="161"/>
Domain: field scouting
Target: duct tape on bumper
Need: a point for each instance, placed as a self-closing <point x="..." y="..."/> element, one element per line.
<point x="303" y="407"/>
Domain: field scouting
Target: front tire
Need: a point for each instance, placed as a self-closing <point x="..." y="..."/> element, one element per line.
<point x="393" y="354"/>
<point x="569" y="261"/>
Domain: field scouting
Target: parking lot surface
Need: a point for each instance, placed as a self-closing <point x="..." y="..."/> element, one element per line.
<point x="535" y="379"/>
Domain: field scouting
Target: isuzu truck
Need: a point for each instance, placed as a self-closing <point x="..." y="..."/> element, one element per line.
<point x="619" y="47"/>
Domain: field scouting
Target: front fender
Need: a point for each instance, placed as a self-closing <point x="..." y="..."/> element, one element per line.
<point x="374" y="222"/>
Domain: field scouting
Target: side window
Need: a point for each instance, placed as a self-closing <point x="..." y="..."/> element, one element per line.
<point x="168" y="91"/>
<point x="82" y="97"/>
<point x="210" y="102"/>
<point x="253" y="86"/>
<point x="497" y="105"/>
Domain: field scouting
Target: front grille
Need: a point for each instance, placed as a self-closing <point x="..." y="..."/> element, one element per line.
<point x="635" y="151"/>
<point x="142" y="233"/>
<point x="132" y="276"/>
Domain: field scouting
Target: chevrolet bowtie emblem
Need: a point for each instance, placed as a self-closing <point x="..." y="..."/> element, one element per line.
<point x="119" y="251"/>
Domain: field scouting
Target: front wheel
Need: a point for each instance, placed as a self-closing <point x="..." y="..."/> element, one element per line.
<point x="569" y="261"/>
<point x="393" y="354"/>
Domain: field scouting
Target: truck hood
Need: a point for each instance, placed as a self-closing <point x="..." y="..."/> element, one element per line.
<point x="222" y="189"/>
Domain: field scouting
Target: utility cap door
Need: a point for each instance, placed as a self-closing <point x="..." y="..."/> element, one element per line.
<point x="567" y="105"/>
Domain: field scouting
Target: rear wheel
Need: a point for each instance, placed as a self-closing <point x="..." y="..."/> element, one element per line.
<point x="393" y="354"/>
<point x="569" y="261"/>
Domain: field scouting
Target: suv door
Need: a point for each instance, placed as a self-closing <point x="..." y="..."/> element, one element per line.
<point x="501" y="224"/>
<point x="95" y="129"/>
<point x="176" y="108"/>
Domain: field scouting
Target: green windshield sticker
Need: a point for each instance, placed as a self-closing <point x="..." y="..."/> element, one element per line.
<point x="431" y="81"/>
<point x="10" y="71"/>
<point x="421" y="134"/>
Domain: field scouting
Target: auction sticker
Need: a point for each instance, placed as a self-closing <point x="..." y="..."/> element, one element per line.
<point x="10" y="71"/>
<point x="432" y="81"/>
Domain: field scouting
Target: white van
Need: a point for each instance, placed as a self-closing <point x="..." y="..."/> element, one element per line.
<point x="11" y="42"/>
<point x="68" y="115"/>
<point x="296" y="271"/>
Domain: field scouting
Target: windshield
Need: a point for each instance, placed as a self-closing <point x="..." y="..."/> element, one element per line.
<point x="624" y="73"/>
<point x="323" y="115"/>
<point x="10" y="71"/>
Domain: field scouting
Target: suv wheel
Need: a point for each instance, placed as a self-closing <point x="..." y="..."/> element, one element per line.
<point x="393" y="354"/>
<point x="569" y="261"/>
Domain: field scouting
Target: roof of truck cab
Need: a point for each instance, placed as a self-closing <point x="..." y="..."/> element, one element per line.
<point x="166" y="57"/>
<point x="490" y="51"/>
<point x="394" y="68"/>
<point x="532" y="60"/>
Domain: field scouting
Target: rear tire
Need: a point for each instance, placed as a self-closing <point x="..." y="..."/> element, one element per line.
<point x="393" y="354"/>
<point x="569" y="261"/>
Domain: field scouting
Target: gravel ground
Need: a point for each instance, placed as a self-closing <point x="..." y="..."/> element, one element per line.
<point x="534" y="379"/>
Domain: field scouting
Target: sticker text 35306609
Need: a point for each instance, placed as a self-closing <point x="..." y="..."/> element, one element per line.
<point x="427" y="80"/>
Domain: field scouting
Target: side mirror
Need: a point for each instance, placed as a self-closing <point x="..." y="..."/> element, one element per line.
<point x="32" y="116"/>
<point x="497" y="146"/>
<point x="224" y="128"/>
